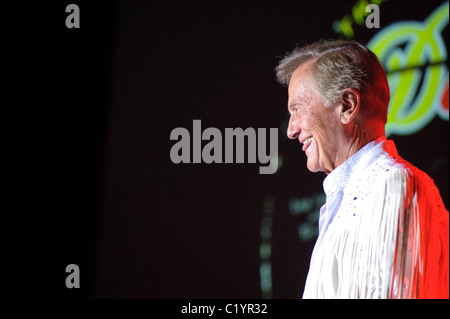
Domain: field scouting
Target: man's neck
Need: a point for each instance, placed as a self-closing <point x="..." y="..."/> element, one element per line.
<point x="358" y="138"/>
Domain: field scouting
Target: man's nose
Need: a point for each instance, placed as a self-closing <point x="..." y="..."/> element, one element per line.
<point x="293" y="130"/>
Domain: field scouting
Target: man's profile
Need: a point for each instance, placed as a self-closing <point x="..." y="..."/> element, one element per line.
<point x="384" y="230"/>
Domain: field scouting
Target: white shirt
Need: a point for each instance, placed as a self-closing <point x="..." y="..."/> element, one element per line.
<point x="355" y="255"/>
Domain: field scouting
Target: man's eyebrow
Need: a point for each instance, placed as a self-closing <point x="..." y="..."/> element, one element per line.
<point x="292" y="105"/>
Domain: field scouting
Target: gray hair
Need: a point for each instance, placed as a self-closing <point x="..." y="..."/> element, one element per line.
<point x="337" y="65"/>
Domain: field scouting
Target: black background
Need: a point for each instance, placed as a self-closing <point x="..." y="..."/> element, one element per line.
<point x="88" y="116"/>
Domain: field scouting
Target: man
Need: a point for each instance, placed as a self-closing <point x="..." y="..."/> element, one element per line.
<point x="383" y="231"/>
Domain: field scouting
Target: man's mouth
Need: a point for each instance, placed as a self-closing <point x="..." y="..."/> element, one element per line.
<point x="306" y="143"/>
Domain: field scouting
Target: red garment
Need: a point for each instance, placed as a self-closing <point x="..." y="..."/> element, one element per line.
<point x="421" y="266"/>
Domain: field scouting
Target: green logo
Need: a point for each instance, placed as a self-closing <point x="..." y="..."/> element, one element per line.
<point x="414" y="54"/>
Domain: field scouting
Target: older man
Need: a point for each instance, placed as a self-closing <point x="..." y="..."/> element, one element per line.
<point x="383" y="231"/>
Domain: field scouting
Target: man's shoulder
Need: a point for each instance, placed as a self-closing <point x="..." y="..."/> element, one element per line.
<point x="393" y="167"/>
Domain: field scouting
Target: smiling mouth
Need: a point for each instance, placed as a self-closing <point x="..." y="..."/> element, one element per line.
<point x="306" y="143"/>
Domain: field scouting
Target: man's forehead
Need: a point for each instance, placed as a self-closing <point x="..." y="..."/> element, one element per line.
<point x="300" y="86"/>
<point x="303" y="71"/>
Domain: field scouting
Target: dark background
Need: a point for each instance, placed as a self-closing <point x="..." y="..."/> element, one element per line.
<point x="89" y="122"/>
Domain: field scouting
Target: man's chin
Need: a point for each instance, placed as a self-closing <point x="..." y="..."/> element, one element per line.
<point x="312" y="168"/>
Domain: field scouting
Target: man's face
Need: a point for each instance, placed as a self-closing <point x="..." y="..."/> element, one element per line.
<point x="315" y="126"/>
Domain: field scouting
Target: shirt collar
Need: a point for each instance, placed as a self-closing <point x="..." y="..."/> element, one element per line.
<point x="338" y="178"/>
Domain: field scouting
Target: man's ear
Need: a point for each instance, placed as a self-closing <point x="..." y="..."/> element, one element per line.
<point x="350" y="103"/>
